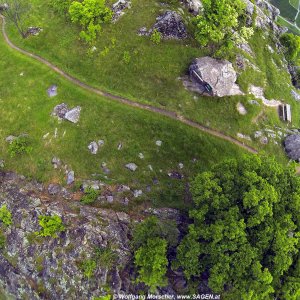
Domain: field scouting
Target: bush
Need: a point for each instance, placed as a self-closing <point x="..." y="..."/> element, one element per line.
<point x="90" y="196"/>
<point x="291" y="44"/>
<point x="105" y="257"/>
<point x="20" y="145"/>
<point x="152" y="263"/>
<point x="2" y="240"/>
<point x="51" y="226"/>
<point x="90" y="14"/>
<point x="155" y="37"/>
<point x="5" y="215"/>
<point x="126" y="57"/>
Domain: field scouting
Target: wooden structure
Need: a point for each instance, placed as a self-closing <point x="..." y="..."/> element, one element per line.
<point x="285" y="112"/>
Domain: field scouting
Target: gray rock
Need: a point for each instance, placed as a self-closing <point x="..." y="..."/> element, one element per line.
<point x="70" y="177"/>
<point x="52" y="91"/>
<point x="54" y="189"/>
<point x="264" y="140"/>
<point x="1" y="163"/>
<point x="258" y="134"/>
<point x="56" y="162"/>
<point x="194" y="6"/>
<point x="120" y="146"/>
<point x="137" y="193"/>
<point x="170" y="25"/>
<point x="60" y="110"/>
<point x="118" y="9"/>
<point x="123" y="188"/>
<point x="100" y="143"/>
<point x="158" y="143"/>
<point x="93" y="184"/>
<point x="93" y="147"/>
<point x="73" y="115"/>
<point x="295" y="95"/>
<point x="143" y="31"/>
<point x="253" y="102"/>
<point x="34" y="31"/>
<point x="10" y="138"/>
<point x="180" y="165"/>
<point x="218" y="74"/>
<point x="110" y="198"/>
<point x="131" y="166"/>
<point x="141" y="156"/>
<point x="175" y="175"/>
<point x="292" y="146"/>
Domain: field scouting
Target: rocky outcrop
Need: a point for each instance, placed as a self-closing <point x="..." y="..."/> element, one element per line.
<point x="50" y="268"/>
<point x="213" y="77"/>
<point x="119" y="8"/>
<point x="61" y="111"/>
<point x="266" y="15"/>
<point x="170" y="25"/>
<point x="292" y="146"/>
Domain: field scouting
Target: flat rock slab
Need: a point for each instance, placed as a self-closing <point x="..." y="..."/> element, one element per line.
<point x="131" y="166"/>
<point x="73" y="115"/>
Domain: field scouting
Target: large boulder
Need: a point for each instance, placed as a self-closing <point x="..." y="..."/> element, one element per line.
<point x="194" y="6"/>
<point x="213" y="77"/>
<point x="292" y="146"/>
<point x="170" y="25"/>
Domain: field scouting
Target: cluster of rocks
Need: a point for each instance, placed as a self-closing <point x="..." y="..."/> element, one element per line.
<point x="62" y="111"/>
<point x="212" y="77"/>
<point x="33" y="31"/>
<point x="170" y="25"/>
<point x="258" y="92"/>
<point x="118" y="9"/>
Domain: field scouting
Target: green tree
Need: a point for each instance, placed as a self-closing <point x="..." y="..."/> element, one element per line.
<point x="245" y="229"/>
<point x="291" y="43"/>
<point x="152" y="263"/>
<point x="16" y="12"/>
<point x="90" y="14"/>
<point x="219" y="23"/>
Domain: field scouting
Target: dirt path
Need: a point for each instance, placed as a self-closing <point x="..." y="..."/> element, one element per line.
<point x="160" y="111"/>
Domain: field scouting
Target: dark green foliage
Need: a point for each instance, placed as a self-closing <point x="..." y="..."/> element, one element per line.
<point x="5" y="215"/>
<point x="90" y="196"/>
<point x="151" y="261"/>
<point x="20" y="145"/>
<point x="291" y="42"/>
<point x="61" y="6"/>
<point x="246" y="229"/>
<point x="51" y="226"/>
<point x="151" y="228"/>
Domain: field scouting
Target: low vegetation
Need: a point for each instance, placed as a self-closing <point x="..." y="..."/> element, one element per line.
<point x="5" y="215"/>
<point x="51" y="226"/>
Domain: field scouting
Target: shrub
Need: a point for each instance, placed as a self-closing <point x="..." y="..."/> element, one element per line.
<point x="2" y="240"/>
<point x="151" y="261"/>
<point x="51" y="226"/>
<point x="105" y="257"/>
<point x="90" y="14"/>
<point x="90" y="196"/>
<point x="20" y="145"/>
<point x="291" y="44"/>
<point x="155" y="37"/>
<point x="5" y="215"/>
<point x="126" y="57"/>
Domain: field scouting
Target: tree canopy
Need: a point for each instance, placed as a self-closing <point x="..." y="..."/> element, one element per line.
<point x="219" y="23"/>
<point x="245" y="230"/>
<point x="291" y="43"/>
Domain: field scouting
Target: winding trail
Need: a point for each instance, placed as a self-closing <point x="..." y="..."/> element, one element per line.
<point x="160" y="111"/>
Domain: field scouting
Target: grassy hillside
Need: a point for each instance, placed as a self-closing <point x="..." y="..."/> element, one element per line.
<point x="26" y="108"/>
<point x="153" y="74"/>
